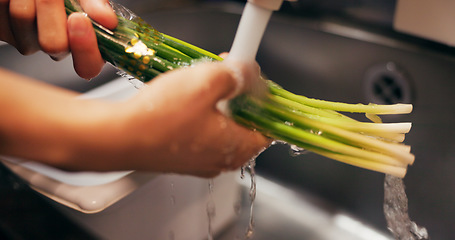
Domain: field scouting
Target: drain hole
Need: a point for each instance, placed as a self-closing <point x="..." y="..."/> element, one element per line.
<point x="386" y="84"/>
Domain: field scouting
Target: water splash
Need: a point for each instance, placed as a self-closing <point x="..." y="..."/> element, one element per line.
<point x="249" y="167"/>
<point x="396" y="211"/>
<point x="296" y="151"/>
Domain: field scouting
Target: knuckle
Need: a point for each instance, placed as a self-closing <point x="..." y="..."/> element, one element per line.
<point x="47" y="2"/>
<point x="22" y="11"/>
<point x="54" y="45"/>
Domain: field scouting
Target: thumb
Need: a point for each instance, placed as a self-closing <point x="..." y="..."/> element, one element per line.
<point x="205" y="84"/>
<point x="101" y="12"/>
<point x="228" y="79"/>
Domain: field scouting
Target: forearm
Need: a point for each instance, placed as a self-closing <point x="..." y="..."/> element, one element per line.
<point x="46" y="123"/>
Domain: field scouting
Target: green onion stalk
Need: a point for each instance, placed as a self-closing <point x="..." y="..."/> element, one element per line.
<point x="315" y="125"/>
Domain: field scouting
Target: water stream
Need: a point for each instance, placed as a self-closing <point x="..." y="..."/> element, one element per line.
<point x="396" y="211"/>
<point x="211" y="211"/>
<point x="249" y="167"/>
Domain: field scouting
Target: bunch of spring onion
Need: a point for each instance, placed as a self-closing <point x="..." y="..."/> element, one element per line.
<point x="315" y="125"/>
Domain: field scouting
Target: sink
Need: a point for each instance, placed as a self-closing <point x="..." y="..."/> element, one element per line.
<point x="41" y="67"/>
<point x="283" y="212"/>
<point x="335" y="61"/>
<point x="132" y="204"/>
<point x="341" y="62"/>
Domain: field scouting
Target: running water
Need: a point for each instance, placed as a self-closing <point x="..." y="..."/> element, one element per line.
<point x="171" y="234"/>
<point x="396" y="211"/>
<point x="249" y="167"/>
<point x="211" y="211"/>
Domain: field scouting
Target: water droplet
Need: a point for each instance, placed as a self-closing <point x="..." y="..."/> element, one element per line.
<point x="172" y="198"/>
<point x="136" y="83"/>
<point x="276" y="142"/>
<point x="289" y="123"/>
<point x="318" y="132"/>
<point x="296" y="150"/>
<point x="238" y="208"/>
<point x="249" y="233"/>
<point x="420" y="232"/>
<point x="211" y="185"/>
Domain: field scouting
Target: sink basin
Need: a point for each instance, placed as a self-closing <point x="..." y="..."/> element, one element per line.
<point x="333" y="61"/>
<point x="132" y="204"/>
<point x="283" y="212"/>
<point x="41" y="67"/>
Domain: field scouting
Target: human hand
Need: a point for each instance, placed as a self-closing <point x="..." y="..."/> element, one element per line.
<point x="31" y="26"/>
<point x="173" y="124"/>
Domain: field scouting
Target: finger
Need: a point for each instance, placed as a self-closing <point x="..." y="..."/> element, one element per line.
<point x="248" y="77"/>
<point x="239" y="144"/>
<point x="248" y="74"/>
<point x="87" y="59"/>
<point x="202" y="85"/>
<point x="218" y="79"/>
<point x="101" y="12"/>
<point x="251" y="145"/>
<point x="6" y="33"/>
<point x="23" y="23"/>
<point x="51" y="22"/>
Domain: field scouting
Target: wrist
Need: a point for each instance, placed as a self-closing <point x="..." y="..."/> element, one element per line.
<point x="92" y="139"/>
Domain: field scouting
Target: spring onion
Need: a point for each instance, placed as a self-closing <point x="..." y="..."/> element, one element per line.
<point x="315" y="125"/>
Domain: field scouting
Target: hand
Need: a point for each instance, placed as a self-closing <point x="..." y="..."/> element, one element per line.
<point x="33" y="25"/>
<point x="173" y="125"/>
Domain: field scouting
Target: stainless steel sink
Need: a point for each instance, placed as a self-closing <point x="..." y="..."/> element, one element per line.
<point x="41" y="67"/>
<point x="282" y="212"/>
<point x="334" y="61"/>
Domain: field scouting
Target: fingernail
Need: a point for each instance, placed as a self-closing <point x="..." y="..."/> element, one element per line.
<point x="76" y="27"/>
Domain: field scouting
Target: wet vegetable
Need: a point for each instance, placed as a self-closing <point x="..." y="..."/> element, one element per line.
<point x="316" y="125"/>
